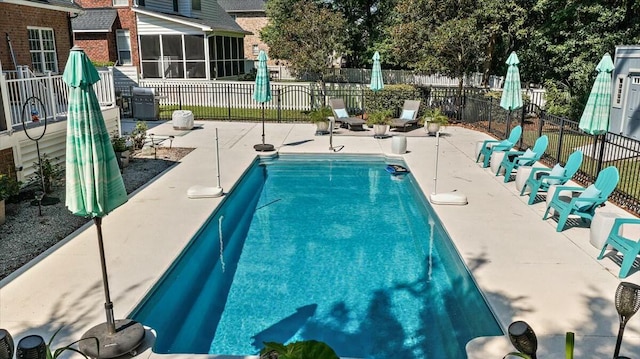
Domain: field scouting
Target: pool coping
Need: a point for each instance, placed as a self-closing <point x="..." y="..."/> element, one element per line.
<point x="53" y="292"/>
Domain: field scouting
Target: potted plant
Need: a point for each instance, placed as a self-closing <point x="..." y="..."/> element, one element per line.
<point x="380" y="120"/>
<point x="320" y="118"/>
<point x="433" y="120"/>
<point x="8" y="187"/>
<point x="121" y="149"/>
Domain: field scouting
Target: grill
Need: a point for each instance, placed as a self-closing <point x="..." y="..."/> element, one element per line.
<point x="144" y="103"/>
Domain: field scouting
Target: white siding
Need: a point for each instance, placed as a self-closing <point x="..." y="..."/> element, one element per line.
<point x="184" y="7"/>
<point x="149" y="25"/>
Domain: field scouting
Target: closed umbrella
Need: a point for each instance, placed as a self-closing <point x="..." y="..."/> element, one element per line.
<point x="94" y="187"/>
<point x="376" y="74"/>
<point x="512" y="93"/>
<point x="262" y="94"/>
<point x="595" y="117"/>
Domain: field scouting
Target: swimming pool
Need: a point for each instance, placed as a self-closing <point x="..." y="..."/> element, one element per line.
<point x="330" y="248"/>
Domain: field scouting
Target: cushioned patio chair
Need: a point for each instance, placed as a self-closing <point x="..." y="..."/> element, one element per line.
<point x="514" y="159"/>
<point x="589" y="199"/>
<point x="629" y="248"/>
<point x="408" y="117"/>
<point x="341" y="115"/>
<point x="489" y="146"/>
<point x="541" y="178"/>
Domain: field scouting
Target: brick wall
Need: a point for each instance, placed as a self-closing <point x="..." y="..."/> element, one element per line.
<point x="126" y="20"/>
<point x="98" y="46"/>
<point x="23" y="16"/>
<point x="253" y="22"/>
<point x="7" y="166"/>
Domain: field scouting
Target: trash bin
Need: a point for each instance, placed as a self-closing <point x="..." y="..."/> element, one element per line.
<point x="399" y="145"/>
<point x="182" y="119"/>
<point x="144" y="104"/>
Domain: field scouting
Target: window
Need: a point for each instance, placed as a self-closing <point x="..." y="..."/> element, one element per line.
<point x="229" y="56"/>
<point x="255" y="49"/>
<point x="175" y="5"/>
<point x="619" y="86"/>
<point x="120" y="2"/>
<point x="173" y="56"/>
<point x="42" y="47"/>
<point x="195" y="5"/>
<point x="123" y="43"/>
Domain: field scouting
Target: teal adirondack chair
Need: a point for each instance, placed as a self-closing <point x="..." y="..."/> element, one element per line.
<point x="590" y="198"/>
<point x="541" y="178"/>
<point x="514" y="159"/>
<point x="489" y="146"/>
<point x="628" y="247"/>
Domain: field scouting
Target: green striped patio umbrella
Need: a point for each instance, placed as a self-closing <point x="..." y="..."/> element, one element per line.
<point x="94" y="187"/>
<point x="376" y="74"/>
<point x="595" y="117"/>
<point x="262" y="94"/>
<point x="512" y="93"/>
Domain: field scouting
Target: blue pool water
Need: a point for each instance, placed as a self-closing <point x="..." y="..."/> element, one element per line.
<point x="327" y="248"/>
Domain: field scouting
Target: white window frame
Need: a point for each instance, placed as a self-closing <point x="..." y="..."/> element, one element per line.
<point x="618" y="91"/>
<point x="41" y="51"/>
<point x="124" y="33"/>
<point x="255" y="49"/>
<point x="119" y="3"/>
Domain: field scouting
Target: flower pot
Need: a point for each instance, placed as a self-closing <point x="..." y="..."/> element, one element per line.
<point x="432" y="127"/>
<point x="380" y="130"/>
<point x="322" y="127"/>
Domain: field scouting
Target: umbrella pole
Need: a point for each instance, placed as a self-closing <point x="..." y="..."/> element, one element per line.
<point x="108" y="305"/>
<point x="263" y="123"/>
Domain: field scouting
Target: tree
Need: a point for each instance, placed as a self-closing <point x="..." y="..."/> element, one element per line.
<point x="308" y="35"/>
<point x="366" y="20"/>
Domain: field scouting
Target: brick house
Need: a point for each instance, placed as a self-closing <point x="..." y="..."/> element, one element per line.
<point x="38" y="36"/>
<point x="252" y="17"/>
<point x="167" y="39"/>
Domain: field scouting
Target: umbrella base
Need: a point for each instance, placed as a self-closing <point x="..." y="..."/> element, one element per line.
<point x="264" y="147"/>
<point x="128" y="336"/>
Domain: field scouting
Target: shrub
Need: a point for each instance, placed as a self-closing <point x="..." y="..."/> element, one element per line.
<point x="8" y="187"/>
<point x="51" y="172"/>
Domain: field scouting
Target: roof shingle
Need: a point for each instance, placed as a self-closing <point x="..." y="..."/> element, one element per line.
<point x="98" y="20"/>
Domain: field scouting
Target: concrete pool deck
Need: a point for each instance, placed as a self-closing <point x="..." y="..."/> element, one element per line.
<point x="526" y="269"/>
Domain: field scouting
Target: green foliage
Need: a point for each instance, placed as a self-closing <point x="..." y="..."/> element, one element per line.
<point x="309" y="35"/>
<point x="102" y="63"/>
<point x="434" y="115"/>
<point x="249" y="76"/>
<point x="379" y="117"/>
<point x="306" y="349"/>
<point x="558" y="101"/>
<point x="139" y="135"/>
<point x="320" y="115"/>
<point x="9" y="186"/>
<point x="47" y="172"/>
<point x="391" y="97"/>
<point x="119" y="142"/>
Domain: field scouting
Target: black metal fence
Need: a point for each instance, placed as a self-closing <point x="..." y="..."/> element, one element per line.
<point x="565" y="137"/>
<point x="290" y="102"/>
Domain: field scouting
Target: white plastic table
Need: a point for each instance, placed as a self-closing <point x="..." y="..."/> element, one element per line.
<point x="552" y="189"/>
<point x="601" y="227"/>
<point x="522" y="175"/>
<point x="399" y="145"/>
<point x="496" y="159"/>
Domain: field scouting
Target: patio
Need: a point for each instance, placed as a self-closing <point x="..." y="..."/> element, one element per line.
<point x="526" y="269"/>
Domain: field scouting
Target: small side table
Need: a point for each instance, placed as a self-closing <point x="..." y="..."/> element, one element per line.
<point x="496" y="159"/>
<point x="399" y="145"/>
<point x="522" y="175"/>
<point x="600" y="228"/>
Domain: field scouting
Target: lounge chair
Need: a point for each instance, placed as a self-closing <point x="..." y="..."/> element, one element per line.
<point x="590" y="198"/>
<point x="341" y="115"/>
<point x="489" y="146"/>
<point x="541" y="178"/>
<point x="514" y="159"/>
<point x="409" y="115"/>
<point x="629" y="248"/>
